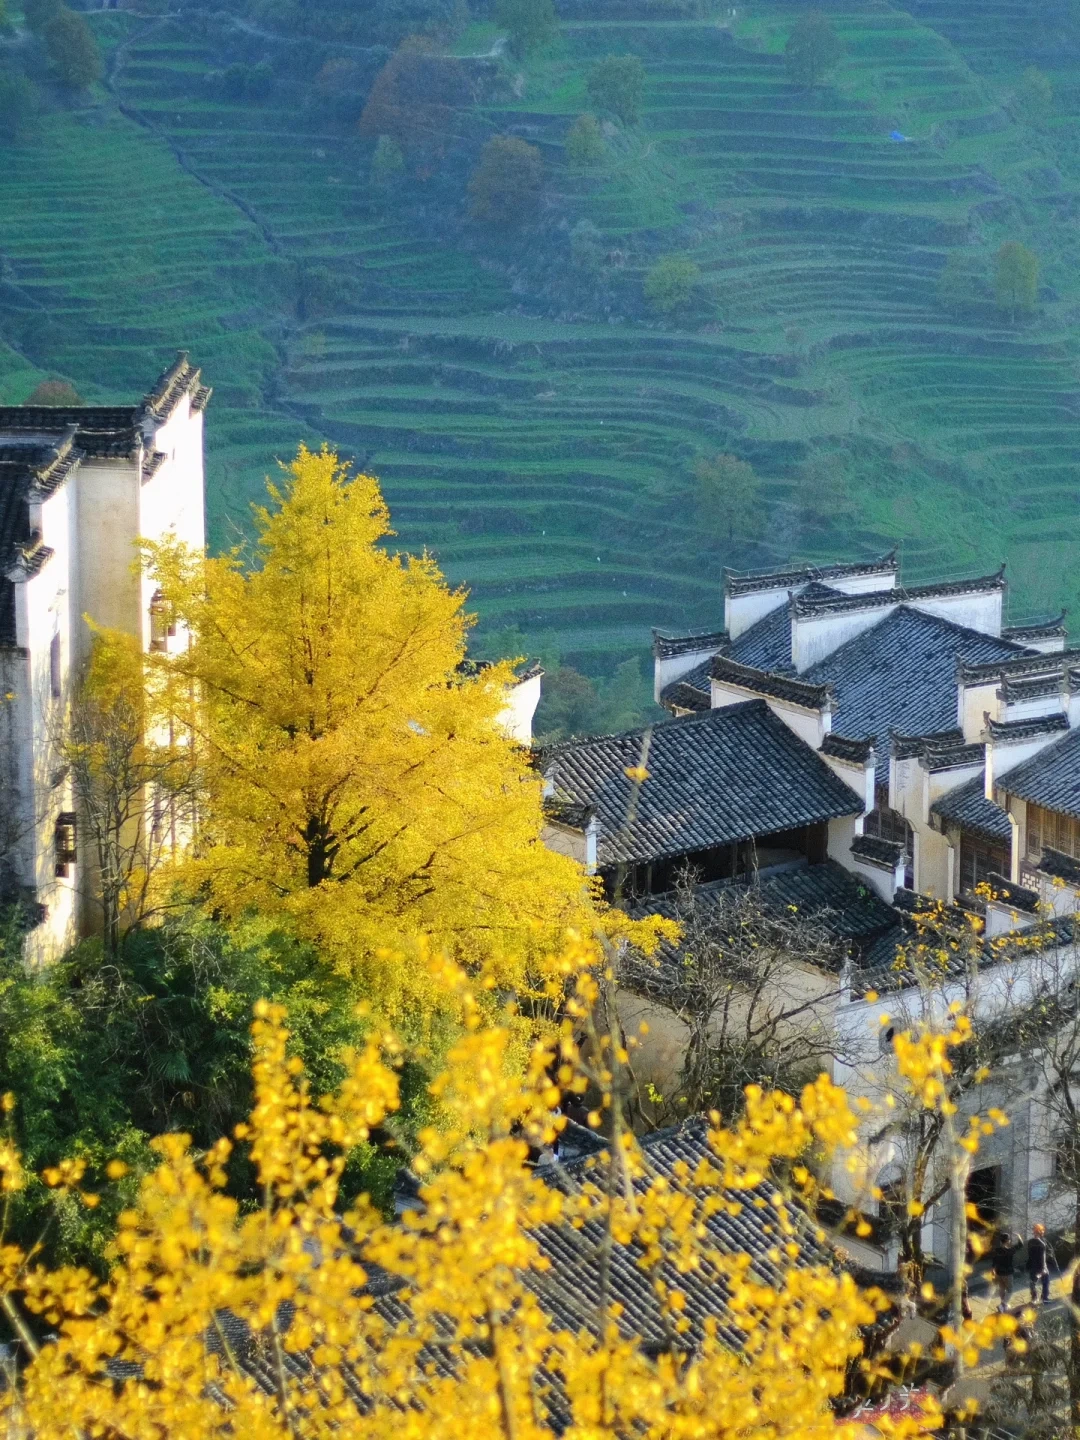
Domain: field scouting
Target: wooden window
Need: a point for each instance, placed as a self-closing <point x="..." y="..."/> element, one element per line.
<point x="158" y="627"/>
<point x="1049" y="829"/>
<point x="65" y="842"/>
<point x="978" y="858"/>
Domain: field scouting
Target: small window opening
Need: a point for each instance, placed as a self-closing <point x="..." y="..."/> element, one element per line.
<point x="56" y="678"/>
<point x="160" y="629"/>
<point x="65" y="842"/>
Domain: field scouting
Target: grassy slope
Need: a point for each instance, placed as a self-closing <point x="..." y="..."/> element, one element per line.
<point x="546" y="459"/>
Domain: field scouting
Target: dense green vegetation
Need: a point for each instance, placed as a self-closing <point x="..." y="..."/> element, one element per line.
<point x="532" y="416"/>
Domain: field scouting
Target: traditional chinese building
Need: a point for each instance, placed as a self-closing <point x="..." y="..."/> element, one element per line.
<point x="79" y="486"/>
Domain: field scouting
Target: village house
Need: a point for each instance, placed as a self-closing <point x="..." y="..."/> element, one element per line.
<point x="858" y="748"/>
<point x="79" y="486"/>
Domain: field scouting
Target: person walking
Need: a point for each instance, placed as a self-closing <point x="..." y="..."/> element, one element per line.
<point x="1038" y="1267"/>
<point x="1002" y="1264"/>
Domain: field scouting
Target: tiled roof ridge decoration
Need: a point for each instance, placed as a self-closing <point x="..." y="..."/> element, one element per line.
<point x="1025" y="729"/>
<point x="1015" y="691"/>
<point x="875" y="850"/>
<point x="201" y="398"/>
<point x="1059" y="866"/>
<point x="46" y="478"/>
<point x="29" y="559"/>
<point x="179" y="379"/>
<point x="681" y="696"/>
<point x="750" y="582"/>
<point x="1021" y="667"/>
<point x="914" y="903"/>
<point x="666" y="646"/>
<point x="910" y="747"/>
<point x="953" y="757"/>
<point x="807" y="606"/>
<point x="1007" y="892"/>
<point x="1051" y="628"/>
<point x="152" y="463"/>
<point x="856" y="752"/>
<point x="766" y="682"/>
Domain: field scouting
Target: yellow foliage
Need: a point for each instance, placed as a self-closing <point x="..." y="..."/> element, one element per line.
<point x="355" y="775"/>
<point x="461" y="1346"/>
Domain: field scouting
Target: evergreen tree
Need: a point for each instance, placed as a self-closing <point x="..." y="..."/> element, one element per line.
<point x="671" y="282"/>
<point x="728" y="496"/>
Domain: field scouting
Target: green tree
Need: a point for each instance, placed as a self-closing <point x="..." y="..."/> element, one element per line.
<point x="585" y="141"/>
<point x="54" y="392"/>
<point x="18" y="104"/>
<point x="671" y="282"/>
<point x="72" y="50"/>
<point x="529" y="23"/>
<point x="505" y="186"/>
<point x="728" y="496"/>
<point x="617" y="84"/>
<point x="813" y="49"/>
<point x="1016" y="277"/>
<point x="387" y="163"/>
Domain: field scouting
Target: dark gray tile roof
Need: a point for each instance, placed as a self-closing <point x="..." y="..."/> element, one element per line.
<point x="764" y="682"/>
<point x="845" y="905"/>
<point x="835" y="602"/>
<point x="681" y="695"/>
<point x="1018" y="896"/>
<point x="909" y="747"/>
<point x="901" y="674"/>
<point x="1027" y="729"/>
<point x="1051" y="778"/>
<point x="665" y="646"/>
<point x="570" y="1290"/>
<point x="1059" y="866"/>
<point x="727" y="775"/>
<point x="858" y="752"/>
<point x="876" y="851"/>
<point x="767" y="643"/>
<point x="1021" y="666"/>
<point x="968" y="807"/>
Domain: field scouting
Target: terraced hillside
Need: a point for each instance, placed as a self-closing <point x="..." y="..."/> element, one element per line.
<point x="543" y="447"/>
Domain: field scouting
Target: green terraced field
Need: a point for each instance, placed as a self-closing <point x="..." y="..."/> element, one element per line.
<point x="543" y="451"/>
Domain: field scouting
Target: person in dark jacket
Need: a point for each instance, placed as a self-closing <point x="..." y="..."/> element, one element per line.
<point x="1003" y="1254"/>
<point x="1038" y="1263"/>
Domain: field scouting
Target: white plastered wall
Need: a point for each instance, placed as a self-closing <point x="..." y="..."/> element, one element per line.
<point x="813" y="637"/>
<point x="976" y="610"/>
<point x="521" y="702"/>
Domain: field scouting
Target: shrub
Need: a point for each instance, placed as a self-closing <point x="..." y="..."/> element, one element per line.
<point x="530" y="23"/>
<point x="813" y="49"/>
<point x="1016" y="277"/>
<point x="617" y="84"/>
<point x="72" y="50"/>
<point x="585" y="141"/>
<point x="670" y="283"/>
<point x="18" y="104"/>
<point x="962" y="281"/>
<point x="505" y="187"/>
<point x="54" y="392"/>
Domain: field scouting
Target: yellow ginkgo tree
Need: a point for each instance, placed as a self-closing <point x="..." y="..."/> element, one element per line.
<point x="355" y="775"/>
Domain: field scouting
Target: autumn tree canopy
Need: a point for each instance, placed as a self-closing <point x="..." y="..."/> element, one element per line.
<point x="355" y="777"/>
